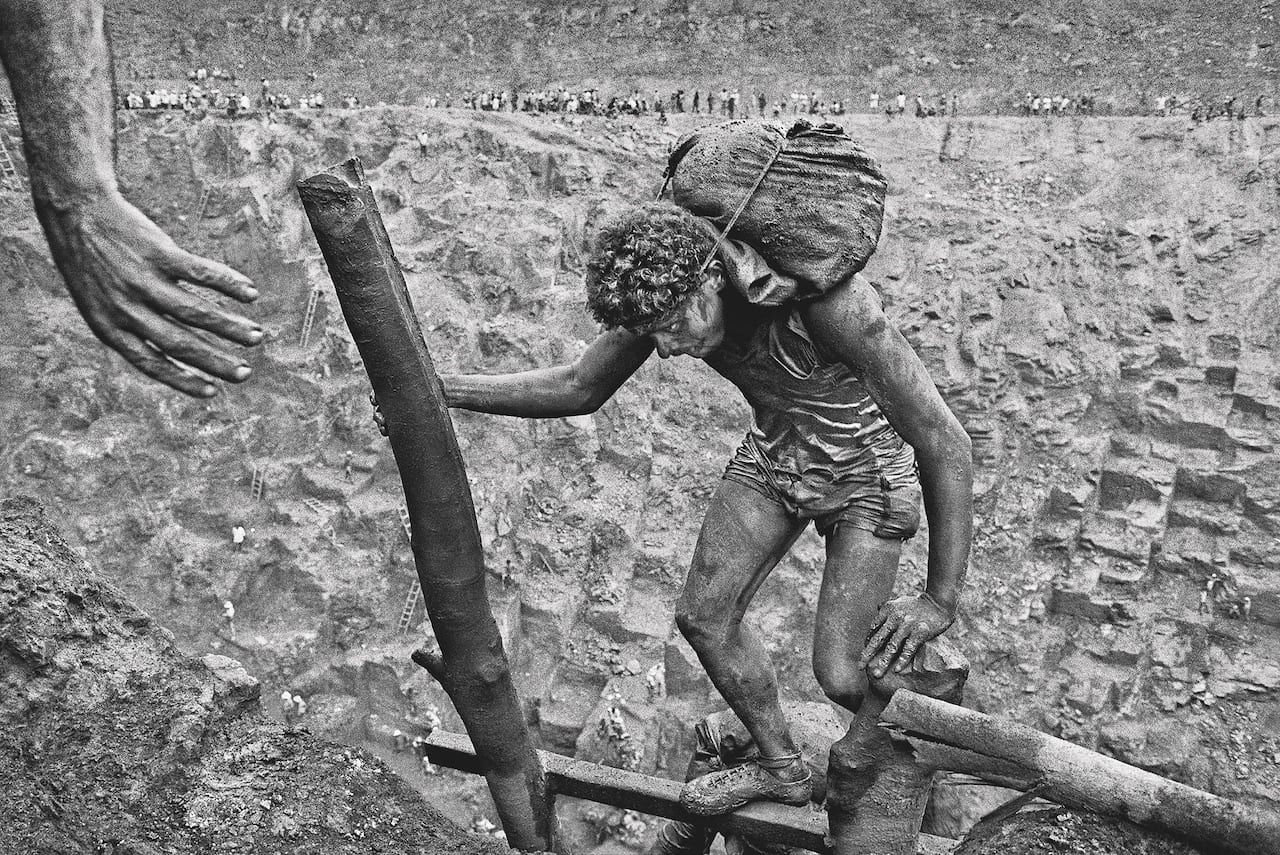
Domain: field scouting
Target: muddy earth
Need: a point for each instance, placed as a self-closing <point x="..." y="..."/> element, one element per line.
<point x="114" y="742"/>
<point x="1096" y="299"/>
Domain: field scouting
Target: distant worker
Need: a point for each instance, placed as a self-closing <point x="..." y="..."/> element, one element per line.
<point x="237" y="537"/>
<point x="299" y="705"/>
<point x="229" y="618"/>
<point x="1246" y="608"/>
<point x="873" y="102"/>
<point x="655" y="680"/>
<point x="287" y="708"/>
<point x="121" y="270"/>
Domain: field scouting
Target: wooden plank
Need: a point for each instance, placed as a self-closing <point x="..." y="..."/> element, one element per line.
<point x="763" y="821"/>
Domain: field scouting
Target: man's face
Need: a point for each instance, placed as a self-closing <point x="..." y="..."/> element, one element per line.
<point x="695" y="327"/>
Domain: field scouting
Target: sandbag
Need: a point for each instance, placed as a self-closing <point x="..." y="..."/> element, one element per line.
<point x="815" y="217"/>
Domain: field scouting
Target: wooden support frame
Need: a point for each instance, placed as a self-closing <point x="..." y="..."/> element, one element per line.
<point x="762" y="821"/>
<point x="447" y="551"/>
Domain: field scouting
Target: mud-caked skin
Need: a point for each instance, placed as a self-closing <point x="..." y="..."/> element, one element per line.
<point x="848" y="430"/>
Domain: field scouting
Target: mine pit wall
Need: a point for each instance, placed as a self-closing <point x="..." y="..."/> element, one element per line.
<point x="1095" y="298"/>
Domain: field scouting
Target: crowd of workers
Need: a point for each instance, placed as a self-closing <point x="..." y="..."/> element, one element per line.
<point x="217" y="89"/>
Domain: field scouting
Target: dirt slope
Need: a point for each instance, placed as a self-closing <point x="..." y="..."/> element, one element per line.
<point x="113" y="742"/>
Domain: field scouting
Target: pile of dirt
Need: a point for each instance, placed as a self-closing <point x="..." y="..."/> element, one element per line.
<point x="1065" y="832"/>
<point x="113" y="742"/>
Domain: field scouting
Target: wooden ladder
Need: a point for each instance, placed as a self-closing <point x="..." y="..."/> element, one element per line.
<point x="204" y="200"/>
<point x="256" y="485"/>
<point x="403" y="513"/>
<point x="309" y="318"/>
<point x="7" y="169"/>
<point x="410" y="606"/>
<point x="321" y="508"/>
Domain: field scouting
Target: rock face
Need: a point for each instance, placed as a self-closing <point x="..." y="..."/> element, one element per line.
<point x="1095" y="300"/>
<point x="112" y="741"/>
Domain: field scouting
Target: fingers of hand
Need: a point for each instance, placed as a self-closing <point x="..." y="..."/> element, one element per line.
<point x="182" y="344"/>
<point x="210" y="274"/>
<point x="194" y="310"/>
<point x="150" y="362"/>
<point x="891" y="650"/>
<point x="877" y="640"/>
<point x="918" y="636"/>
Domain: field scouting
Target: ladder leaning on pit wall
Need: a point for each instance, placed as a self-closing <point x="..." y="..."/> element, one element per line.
<point x="7" y="169"/>
<point x="309" y="318"/>
<point x="7" y="111"/>
<point x="415" y="589"/>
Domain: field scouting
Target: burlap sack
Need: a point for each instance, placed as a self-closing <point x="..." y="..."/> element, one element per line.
<point x="815" y="217"/>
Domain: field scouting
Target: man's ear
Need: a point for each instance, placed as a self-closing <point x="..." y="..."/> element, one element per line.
<point x="714" y="278"/>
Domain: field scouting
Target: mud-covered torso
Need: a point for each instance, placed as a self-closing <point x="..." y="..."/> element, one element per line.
<point x="813" y="419"/>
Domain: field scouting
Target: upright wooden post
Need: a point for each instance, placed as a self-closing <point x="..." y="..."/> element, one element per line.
<point x="876" y="792"/>
<point x="446" y="540"/>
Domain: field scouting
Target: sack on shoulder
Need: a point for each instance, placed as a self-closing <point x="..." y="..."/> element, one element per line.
<point x="814" y="197"/>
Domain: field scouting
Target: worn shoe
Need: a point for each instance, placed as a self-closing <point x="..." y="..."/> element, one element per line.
<point x="730" y="789"/>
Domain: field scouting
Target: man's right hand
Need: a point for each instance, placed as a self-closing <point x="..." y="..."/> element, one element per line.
<point x="123" y="270"/>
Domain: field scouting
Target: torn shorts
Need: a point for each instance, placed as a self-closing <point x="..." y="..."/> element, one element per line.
<point x="885" y="502"/>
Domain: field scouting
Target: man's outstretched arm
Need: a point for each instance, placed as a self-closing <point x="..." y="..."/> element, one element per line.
<point x="575" y="389"/>
<point x="121" y="269"/>
<point x="850" y="324"/>
<point x="565" y="390"/>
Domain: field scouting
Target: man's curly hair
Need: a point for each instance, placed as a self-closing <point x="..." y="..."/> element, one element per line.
<point x="644" y="262"/>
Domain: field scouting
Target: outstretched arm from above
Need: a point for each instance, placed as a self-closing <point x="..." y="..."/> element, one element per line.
<point x="565" y="390"/>
<point x="121" y="269"/>
<point x="850" y="324"/>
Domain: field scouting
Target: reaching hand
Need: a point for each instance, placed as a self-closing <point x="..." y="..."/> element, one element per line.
<point x="122" y="271"/>
<point x="902" y="627"/>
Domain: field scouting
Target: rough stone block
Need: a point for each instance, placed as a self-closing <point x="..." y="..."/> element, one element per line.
<point x="1091" y="697"/>
<point x="1191" y="552"/>
<point x="1113" y="533"/>
<point x="1258" y="394"/>
<point x="1126" y="481"/>
<point x="1196" y="417"/>
<point x="1068" y="503"/>
<point x="1064" y="601"/>
<point x="1216" y="485"/>
<point x="1210" y="517"/>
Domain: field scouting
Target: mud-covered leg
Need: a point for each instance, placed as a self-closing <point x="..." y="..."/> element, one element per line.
<point x="743" y="538"/>
<point x="876" y="793"/>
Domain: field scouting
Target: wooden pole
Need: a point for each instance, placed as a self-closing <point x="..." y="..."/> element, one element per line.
<point x="876" y="792"/>
<point x="1077" y="777"/>
<point x="446" y="540"/>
